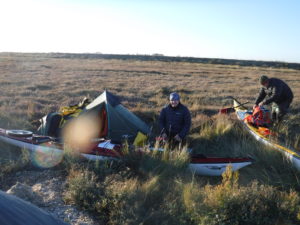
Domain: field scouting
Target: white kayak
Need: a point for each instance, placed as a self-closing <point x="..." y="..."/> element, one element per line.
<point x="48" y="152"/>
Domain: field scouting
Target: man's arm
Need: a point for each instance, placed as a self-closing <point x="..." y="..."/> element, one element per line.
<point x="261" y="96"/>
<point x="275" y="95"/>
<point x="162" y="120"/>
<point x="187" y="124"/>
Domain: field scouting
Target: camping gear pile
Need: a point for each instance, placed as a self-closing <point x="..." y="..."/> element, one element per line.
<point x="260" y="117"/>
<point x="115" y="122"/>
<point x="52" y="123"/>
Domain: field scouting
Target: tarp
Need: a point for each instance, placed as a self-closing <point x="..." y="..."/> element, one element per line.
<point x="15" y="211"/>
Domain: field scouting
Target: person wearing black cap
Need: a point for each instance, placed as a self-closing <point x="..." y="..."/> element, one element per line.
<point x="277" y="92"/>
<point x="174" y="120"/>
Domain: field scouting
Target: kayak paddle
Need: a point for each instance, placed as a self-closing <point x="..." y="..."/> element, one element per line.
<point x="230" y="109"/>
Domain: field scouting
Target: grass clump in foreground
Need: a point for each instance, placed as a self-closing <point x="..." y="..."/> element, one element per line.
<point x="290" y="129"/>
<point x="141" y="189"/>
<point x="12" y="163"/>
<point x="228" y="203"/>
<point x="220" y="136"/>
<point x="156" y="188"/>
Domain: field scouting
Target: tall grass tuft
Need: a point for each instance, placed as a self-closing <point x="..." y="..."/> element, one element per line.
<point x="154" y="201"/>
<point x="84" y="190"/>
<point x="148" y="162"/>
<point x="141" y="189"/>
<point x="219" y="136"/>
<point x="12" y="162"/>
<point x="221" y="126"/>
<point x="228" y="203"/>
<point x="290" y="130"/>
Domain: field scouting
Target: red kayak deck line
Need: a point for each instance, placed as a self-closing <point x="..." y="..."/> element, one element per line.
<point x="220" y="160"/>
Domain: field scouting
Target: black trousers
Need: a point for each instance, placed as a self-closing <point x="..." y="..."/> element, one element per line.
<point x="174" y="144"/>
<point x="280" y="109"/>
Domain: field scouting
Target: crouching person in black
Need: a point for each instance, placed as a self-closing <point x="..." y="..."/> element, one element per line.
<point x="175" y="121"/>
<point x="277" y="92"/>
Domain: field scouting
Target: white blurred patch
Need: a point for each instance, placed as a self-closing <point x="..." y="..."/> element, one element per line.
<point x="80" y="132"/>
<point x="106" y="144"/>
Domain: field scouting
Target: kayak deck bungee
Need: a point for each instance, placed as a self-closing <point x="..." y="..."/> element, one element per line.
<point x="289" y="152"/>
<point x="105" y="150"/>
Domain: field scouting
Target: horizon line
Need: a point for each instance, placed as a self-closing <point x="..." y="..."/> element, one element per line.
<point x="144" y="54"/>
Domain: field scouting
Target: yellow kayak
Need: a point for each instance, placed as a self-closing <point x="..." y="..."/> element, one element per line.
<point x="265" y="137"/>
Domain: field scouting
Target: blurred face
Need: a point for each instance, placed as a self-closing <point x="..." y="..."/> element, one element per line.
<point x="174" y="103"/>
<point x="265" y="84"/>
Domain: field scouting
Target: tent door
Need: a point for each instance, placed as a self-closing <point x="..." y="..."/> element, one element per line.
<point x="103" y="123"/>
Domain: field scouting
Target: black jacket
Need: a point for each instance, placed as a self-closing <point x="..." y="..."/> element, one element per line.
<point x="277" y="91"/>
<point x="175" y="120"/>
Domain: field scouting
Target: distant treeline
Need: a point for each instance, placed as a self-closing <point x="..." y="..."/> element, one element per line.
<point x="159" y="57"/>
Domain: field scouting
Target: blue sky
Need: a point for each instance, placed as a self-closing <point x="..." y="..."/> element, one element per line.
<point x="233" y="29"/>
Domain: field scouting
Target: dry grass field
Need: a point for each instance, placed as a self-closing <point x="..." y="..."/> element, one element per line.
<point x="33" y="85"/>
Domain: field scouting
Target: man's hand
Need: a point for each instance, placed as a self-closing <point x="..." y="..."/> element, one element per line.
<point x="261" y="104"/>
<point x="178" y="138"/>
<point x="164" y="136"/>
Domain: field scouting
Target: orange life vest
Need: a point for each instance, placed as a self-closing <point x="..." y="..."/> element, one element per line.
<point x="260" y="117"/>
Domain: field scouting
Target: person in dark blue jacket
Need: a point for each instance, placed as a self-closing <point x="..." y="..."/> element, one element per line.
<point x="174" y="120"/>
<point x="277" y="92"/>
